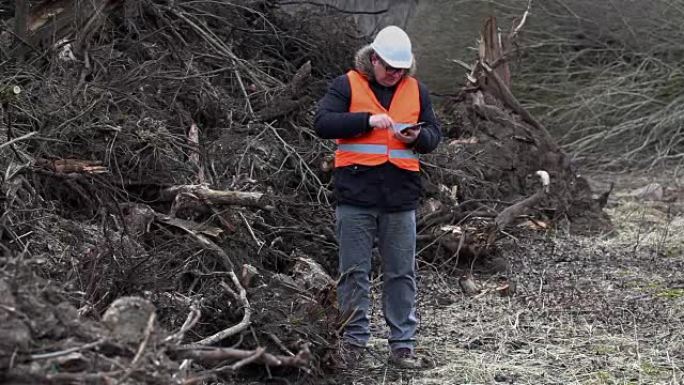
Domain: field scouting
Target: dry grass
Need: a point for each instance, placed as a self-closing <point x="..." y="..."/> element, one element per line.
<point x="607" y="310"/>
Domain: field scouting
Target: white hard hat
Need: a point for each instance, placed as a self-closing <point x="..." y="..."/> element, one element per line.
<point x="393" y="45"/>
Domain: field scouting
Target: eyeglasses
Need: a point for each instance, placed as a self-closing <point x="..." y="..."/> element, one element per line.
<point x="389" y="69"/>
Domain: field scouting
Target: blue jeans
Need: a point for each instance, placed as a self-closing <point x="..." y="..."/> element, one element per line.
<point x="357" y="228"/>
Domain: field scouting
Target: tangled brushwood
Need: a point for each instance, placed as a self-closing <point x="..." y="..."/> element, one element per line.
<point x="166" y="208"/>
<point x="607" y="77"/>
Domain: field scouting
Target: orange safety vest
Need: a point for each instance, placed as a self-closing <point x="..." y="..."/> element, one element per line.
<point x="379" y="145"/>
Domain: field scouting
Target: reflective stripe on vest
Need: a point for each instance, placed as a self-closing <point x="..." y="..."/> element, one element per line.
<point x="380" y="145"/>
<point x="363" y="148"/>
<point x="403" y="154"/>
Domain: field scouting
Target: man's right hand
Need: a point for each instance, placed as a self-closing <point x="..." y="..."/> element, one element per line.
<point x="380" y="121"/>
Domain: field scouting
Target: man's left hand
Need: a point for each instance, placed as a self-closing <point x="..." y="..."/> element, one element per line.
<point x="408" y="136"/>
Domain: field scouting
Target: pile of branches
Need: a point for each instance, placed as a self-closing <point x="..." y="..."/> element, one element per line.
<point x="164" y="151"/>
<point x="166" y="208"/>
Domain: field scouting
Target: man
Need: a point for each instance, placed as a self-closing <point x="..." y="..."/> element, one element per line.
<point x="377" y="184"/>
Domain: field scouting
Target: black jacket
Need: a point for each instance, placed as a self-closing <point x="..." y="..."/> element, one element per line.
<point x="386" y="186"/>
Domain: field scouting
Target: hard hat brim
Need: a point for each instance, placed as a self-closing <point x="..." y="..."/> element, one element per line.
<point x="403" y="62"/>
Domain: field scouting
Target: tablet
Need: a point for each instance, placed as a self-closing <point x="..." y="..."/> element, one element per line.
<point x="401" y="127"/>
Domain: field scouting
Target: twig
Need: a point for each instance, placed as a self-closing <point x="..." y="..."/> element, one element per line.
<point x="258" y="352"/>
<point x="230" y="291"/>
<point x="193" y="141"/>
<point x="46" y="356"/>
<point x="81" y="378"/>
<point x="25" y="136"/>
<point x="463" y="64"/>
<point x="280" y="344"/>
<point x="141" y="349"/>
<point x="182" y="373"/>
<point x="146" y="339"/>
<point x="522" y="22"/>
<point x="259" y="242"/>
<point x="217" y="43"/>
<point x="244" y="93"/>
<point x="199" y="379"/>
<point x="244" y="324"/>
<point x="209" y="244"/>
<point x="190" y="321"/>
<point x="304" y="164"/>
<point x="340" y="10"/>
<point x="187" y="225"/>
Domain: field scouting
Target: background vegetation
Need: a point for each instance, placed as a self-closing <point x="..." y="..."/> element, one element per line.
<point x="606" y="77"/>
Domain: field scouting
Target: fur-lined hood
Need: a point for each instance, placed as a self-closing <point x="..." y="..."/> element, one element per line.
<point x="362" y="63"/>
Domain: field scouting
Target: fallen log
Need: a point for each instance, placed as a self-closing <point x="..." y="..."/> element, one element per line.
<point x="218" y="197"/>
<point x="67" y="166"/>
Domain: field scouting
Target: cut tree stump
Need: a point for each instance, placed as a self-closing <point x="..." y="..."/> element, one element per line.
<point x="497" y="155"/>
<point x="127" y="319"/>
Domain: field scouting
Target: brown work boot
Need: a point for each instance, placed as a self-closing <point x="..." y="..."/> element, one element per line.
<point x="404" y="358"/>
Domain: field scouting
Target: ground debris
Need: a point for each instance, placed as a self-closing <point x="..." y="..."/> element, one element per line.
<point x="175" y="148"/>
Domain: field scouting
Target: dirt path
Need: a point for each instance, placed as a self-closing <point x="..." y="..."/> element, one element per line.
<point x="606" y="310"/>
